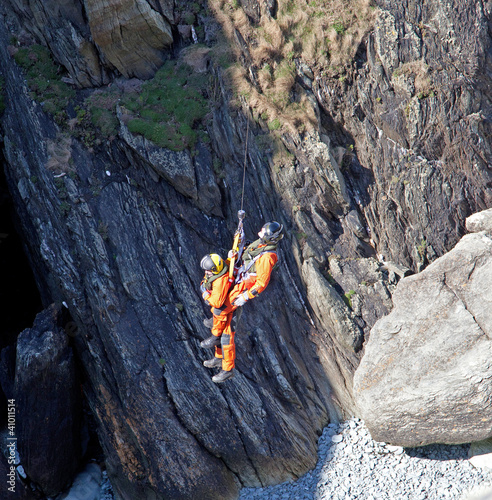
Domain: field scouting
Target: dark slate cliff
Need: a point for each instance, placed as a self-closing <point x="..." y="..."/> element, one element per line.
<point x="48" y="405"/>
<point x="117" y="234"/>
<point x="418" y="105"/>
<point x="121" y="246"/>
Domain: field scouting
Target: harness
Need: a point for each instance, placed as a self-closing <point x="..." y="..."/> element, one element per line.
<point x="208" y="280"/>
<point x="252" y="253"/>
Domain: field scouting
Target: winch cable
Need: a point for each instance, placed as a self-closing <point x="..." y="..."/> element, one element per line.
<point x="239" y="235"/>
<point x="245" y="161"/>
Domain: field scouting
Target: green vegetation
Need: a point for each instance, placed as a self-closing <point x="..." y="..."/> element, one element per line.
<point x="44" y="80"/>
<point x="424" y="94"/>
<point x="331" y="280"/>
<point x="102" y="110"/>
<point x="347" y="298"/>
<point x="339" y="27"/>
<point x="167" y="111"/>
<point x="274" y="124"/>
<point x="218" y="168"/>
<point x="422" y="249"/>
<point x="102" y="229"/>
<point x="65" y="208"/>
<point x="169" y="108"/>
<point x="323" y="35"/>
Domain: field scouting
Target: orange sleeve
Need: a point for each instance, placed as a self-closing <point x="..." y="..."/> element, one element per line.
<point x="220" y="289"/>
<point x="264" y="267"/>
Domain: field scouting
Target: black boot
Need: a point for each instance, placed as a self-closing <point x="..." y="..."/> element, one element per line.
<point x="222" y="376"/>
<point x="213" y="363"/>
<point x="210" y="342"/>
<point x="209" y="322"/>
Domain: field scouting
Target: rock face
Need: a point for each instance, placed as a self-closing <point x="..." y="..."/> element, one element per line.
<point x="398" y="158"/>
<point x="48" y="404"/>
<point x="191" y="177"/>
<point x="417" y="105"/>
<point x="131" y="34"/>
<point x="92" y="39"/>
<point x="121" y="246"/>
<point x="19" y="491"/>
<point x="62" y="26"/>
<point x="425" y="375"/>
<point x="481" y="221"/>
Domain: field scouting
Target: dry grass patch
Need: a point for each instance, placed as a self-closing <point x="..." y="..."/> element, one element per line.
<point x="325" y="34"/>
<point x="418" y="73"/>
<point x="60" y="154"/>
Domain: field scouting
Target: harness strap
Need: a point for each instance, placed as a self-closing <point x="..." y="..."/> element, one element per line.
<point x="208" y="280"/>
<point x="242" y="272"/>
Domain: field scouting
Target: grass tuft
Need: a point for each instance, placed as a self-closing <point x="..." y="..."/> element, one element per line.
<point x="321" y="33"/>
<point x="44" y="80"/>
<point x="170" y="108"/>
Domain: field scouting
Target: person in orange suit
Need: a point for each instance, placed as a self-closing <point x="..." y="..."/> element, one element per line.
<point x="258" y="260"/>
<point x="215" y="286"/>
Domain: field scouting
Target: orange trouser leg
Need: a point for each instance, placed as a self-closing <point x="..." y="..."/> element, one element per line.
<point x="228" y="346"/>
<point x="221" y="316"/>
<point x="217" y="330"/>
<point x="220" y="322"/>
<point x="223" y="327"/>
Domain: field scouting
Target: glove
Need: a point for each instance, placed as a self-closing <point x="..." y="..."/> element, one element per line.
<point x="231" y="254"/>
<point x="241" y="300"/>
<point x="205" y="293"/>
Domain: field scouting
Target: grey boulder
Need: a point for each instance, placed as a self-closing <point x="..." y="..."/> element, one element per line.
<point x="425" y="376"/>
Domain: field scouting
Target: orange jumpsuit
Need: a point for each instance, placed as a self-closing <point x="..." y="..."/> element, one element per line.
<point x="215" y="298"/>
<point x="254" y="283"/>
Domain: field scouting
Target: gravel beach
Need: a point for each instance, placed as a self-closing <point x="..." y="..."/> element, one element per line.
<point x="352" y="466"/>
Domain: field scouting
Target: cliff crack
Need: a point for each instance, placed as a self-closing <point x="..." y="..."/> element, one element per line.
<point x="159" y="11"/>
<point x="463" y="301"/>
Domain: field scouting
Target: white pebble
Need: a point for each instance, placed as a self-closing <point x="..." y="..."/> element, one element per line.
<point x="397" y="450"/>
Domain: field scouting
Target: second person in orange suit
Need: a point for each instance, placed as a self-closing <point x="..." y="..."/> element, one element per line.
<point x="215" y="286"/>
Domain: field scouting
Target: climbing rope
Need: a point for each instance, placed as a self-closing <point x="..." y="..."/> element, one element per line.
<point x="245" y="161"/>
<point x="237" y="246"/>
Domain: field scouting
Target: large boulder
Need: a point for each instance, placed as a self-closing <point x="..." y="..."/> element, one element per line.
<point x="132" y="34"/>
<point x="92" y="38"/>
<point x="425" y="374"/>
<point x="47" y="403"/>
